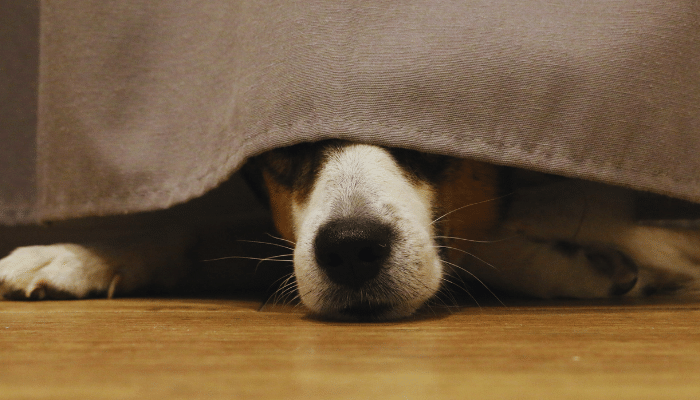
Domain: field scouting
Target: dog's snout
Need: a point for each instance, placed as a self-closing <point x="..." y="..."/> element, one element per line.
<point x="352" y="251"/>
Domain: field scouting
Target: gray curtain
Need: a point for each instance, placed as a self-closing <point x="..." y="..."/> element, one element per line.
<point x="125" y="106"/>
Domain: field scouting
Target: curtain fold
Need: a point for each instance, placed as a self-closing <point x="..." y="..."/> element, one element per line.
<point x="116" y="107"/>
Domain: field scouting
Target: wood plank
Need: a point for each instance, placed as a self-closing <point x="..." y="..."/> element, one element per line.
<point x="226" y="348"/>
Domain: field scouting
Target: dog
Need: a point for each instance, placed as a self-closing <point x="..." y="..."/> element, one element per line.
<point x="378" y="232"/>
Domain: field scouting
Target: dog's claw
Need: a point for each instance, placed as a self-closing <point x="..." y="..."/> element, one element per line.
<point x="36" y="293"/>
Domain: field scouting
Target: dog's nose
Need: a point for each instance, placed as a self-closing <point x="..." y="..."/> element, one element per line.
<point x="352" y="251"/>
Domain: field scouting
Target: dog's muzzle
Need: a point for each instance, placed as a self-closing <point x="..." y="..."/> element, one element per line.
<point x="364" y="248"/>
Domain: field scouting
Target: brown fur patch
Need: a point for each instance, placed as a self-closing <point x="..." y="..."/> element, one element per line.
<point x="281" y="206"/>
<point x="474" y="186"/>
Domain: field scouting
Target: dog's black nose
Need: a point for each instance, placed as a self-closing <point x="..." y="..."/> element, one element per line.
<point x="353" y="251"/>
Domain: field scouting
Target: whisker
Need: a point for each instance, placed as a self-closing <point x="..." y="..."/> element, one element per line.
<point x="251" y="258"/>
<point x="282" y="239"/>
<point x="270" y="243"/>
<point x="429" y="307"/>
<point x="438" y="300"/>
<point x="476" y="241"/>
<point x="464" y="289"/>
<point x="286" y="291"/>
<point x="468" y="205"/>
<point x="464" y="284"/>
<point x="293" y="301"/>
<point x="284" y="278"/>
<point x="477" y="279"/>
<point x="288" y="298"/>
<point x="273" y="258"/>
<point x="441" y="298"/>
<point x="285" y="284"/>
<point x="433" y="301"/>
<point x="298" y="297"/>
<point x="285" y="281"/>
<point x="443" y="290"/>
<point x="288" y="288"/>
<point x="298" y="304"/>
<point x="469" y="254"/>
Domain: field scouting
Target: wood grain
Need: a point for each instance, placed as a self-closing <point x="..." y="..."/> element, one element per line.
<point x="226" y="348"/>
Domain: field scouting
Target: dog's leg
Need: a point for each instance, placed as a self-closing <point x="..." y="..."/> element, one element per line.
<point x="637" y="261"/>
<point x="76" y="271"/>
<point x="579" y="239"/>
<point x="551" y="269"/>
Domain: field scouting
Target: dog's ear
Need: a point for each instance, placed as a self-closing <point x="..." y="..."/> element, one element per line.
<point x="252" y="172"/>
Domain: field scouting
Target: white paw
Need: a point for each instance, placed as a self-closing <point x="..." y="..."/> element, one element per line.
<point x="55" y="271"/>
<point x="669" y="259"/>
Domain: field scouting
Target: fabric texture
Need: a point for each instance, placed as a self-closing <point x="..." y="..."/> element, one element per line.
<point x="118" y="107"/>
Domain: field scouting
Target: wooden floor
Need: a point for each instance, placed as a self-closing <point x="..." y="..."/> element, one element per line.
<point x="224" y="348"/>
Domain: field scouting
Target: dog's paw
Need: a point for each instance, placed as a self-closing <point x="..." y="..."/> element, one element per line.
<point x="57" y="271"/>
<point x="556" y="269"/>
<point x="571" y="270"/>
<point x="669" y="260"/>
<point x="615" y="270"/>
<point x="619" y="270"/>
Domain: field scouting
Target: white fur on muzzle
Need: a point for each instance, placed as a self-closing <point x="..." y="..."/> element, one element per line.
<point x="365" y="246"/>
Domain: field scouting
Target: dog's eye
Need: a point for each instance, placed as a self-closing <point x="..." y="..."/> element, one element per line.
<point x="293" y="166"/>
<point x="424" y="166"/>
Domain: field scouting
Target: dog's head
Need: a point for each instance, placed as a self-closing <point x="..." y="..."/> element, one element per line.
<point x="363" y="220"/>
